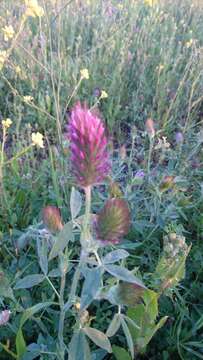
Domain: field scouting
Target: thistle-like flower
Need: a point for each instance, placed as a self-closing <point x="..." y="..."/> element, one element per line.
<point x="52" y="218"/>
<point x="88" y="144"/>
<point x="113" y="221"/>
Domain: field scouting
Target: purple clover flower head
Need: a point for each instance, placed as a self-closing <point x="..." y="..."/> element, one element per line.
<point x="88" y="146"/>
<point x="179" y="137"/>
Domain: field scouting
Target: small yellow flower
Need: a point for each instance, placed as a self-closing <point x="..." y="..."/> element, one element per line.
<point x="8" y="32"/>
<point x="18" y="70"/>
<point x="28" y="98"/>
<point x="3" y="57"/>
<point x="84" y="74"/>
<point x="6" y="123"/>
<point x="37" y="139"/>
<point x="104" y="94"/>
<point x="33" y="8"/>
<point x="189" y="43"/>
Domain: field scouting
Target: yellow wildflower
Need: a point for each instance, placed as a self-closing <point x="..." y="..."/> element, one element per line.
<point x="3" y="57"/>
<point x="8" y="32"/>
<point x="37" y="140"/>
<point x="84" y="74"/>
<point x="33" y="8"/>
<point x="150" y="2"/>
<point x="6" y="123"/>
<point x="28" y="98"/>
<point x="104" y="94"/>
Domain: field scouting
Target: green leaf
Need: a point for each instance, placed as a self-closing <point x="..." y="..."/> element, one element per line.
<point x="42" y="250"/>
<point x="137" y="315"/>
<point x="29" y="281"/>
<point x="151" y="301"/>
<point x="75" y="202"/>
<point x="28" y="313"/>
<point x="62" y="240"/>
<point x="115" y="256"/>
<point x="114" y="326"/>
<point x="99" y="338"/>
<point x="128" y="337"/>
<point x="91" y="286"/>
<point x="122" y="273"/>
<point x="5" y="289"/>
<point x="154" y="329"/>
<point x="78" y="347"/>
<point x="131" y="322"/>
<point x="120" y="353"/>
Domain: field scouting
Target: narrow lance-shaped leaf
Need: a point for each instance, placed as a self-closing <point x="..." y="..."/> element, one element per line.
<point x="42" y="250"/>
<point x="122" y="273"/>
<point x="62" y="240"/>
<point x="28" y="313"/>
<point x="78" y="347"/>
<point x="29" y="281"/>
<point x="128" y="337"/>
<point x="115" y="256"/>
<point x="99" y="338"/>
<point x="114" y="325"/>
<point x="91" y="286"/>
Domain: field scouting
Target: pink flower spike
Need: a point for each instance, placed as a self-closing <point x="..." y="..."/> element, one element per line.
<point x="88" y="145"/>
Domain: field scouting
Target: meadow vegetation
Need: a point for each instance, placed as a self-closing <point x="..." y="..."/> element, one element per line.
<point x="138" y="65"/>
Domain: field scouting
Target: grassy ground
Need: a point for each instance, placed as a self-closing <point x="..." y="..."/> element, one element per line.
<point x="149" y="60"/>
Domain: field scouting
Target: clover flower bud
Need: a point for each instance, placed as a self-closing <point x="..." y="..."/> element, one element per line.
<point x="52" y="218"/>
<point x="113" y="221"/>
<point x="150" y="128"/>
<point x="4" y="317"/>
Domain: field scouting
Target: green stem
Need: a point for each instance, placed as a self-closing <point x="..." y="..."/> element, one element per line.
<point x="62" y="317"/>
<point x="22" y="152"/>
<point x="87" y="207"/>
<point x="151" y="145"/>
<point x="8" y="351"/>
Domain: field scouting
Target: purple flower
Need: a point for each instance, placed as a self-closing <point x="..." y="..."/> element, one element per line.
<point x="179" y="138"/>
<point x="97" y="92"/>
<point x="88" y="146"/>
<point x="140" y="174"/>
